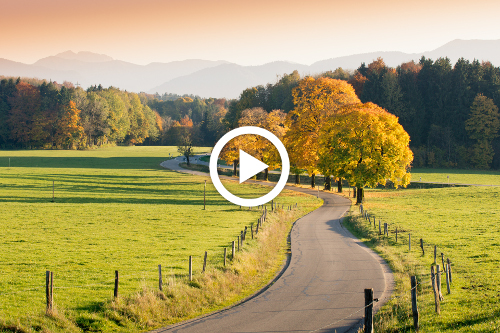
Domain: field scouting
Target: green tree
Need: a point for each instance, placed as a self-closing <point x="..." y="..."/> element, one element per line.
<point x="483" y="125"/>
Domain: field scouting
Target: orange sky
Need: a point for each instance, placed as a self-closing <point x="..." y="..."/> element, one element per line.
<point x="245" y="32"/>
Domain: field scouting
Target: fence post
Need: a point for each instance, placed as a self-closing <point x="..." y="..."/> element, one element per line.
<point x="422" y="246"/>
<point x="409" y="242"/>
<point x="379" y="229"/>
<point x="225" y="256"/>
<point x="369" y="310"/>
<point x="414" y="306"/>
<point x="232" y="252"/>
<point x="205" y="262"/>
<point x="160" y="280"/>
<point x="49" y="290"/>
<point x="238" y="243"/>
<point x="251" y="229"/>
<point x="190" y="268"/>
<point x="396" y="234"/>
<point x="447" y="271"/>
<point x="116" y="284"/>
<point x="434" y="289"/>
<point x="442" y="261"/>
<point x="438" y="282"/>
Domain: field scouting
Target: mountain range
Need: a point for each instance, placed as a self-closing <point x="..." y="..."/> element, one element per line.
<point x="216" y="78"/>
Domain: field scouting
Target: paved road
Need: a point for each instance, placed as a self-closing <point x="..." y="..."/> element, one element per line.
<point x="322" y="285"/>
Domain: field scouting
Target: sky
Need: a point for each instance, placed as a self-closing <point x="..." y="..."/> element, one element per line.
<point x="244" y="32"/>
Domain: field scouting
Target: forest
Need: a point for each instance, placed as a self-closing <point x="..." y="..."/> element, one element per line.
<point x="449" y="111"/>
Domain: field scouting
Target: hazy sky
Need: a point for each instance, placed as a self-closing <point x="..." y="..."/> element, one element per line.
<point x="245" y="32"/>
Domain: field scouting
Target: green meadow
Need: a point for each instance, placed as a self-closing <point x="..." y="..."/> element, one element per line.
<point x="464" y="224"/>
<point x="113" y="209"/>
<point x="456" y="176"/>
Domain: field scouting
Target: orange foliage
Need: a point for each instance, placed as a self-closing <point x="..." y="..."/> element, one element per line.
<point x="358" y="82"/>
<point x="376" y="66"/>
<point x="186" y="121"/>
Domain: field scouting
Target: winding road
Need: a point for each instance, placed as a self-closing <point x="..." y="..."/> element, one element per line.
<point x="321" y="289"/>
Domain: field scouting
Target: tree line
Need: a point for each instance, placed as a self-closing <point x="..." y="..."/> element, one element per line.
<point x="449" y="111"/>
<point x="39" y="114"/>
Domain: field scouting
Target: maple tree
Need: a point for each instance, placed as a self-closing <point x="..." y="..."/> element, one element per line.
<point x="315" y="100"/>
<point x="256" y="145"/>
<point x="366" y="145"/>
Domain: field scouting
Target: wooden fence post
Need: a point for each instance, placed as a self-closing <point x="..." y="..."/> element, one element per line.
<point x="396" y="234"/>
<point x="414" y="306"/>
<point x="160" y="280"/>
<point x="447" y="271"/>
<point x="116" y="284"/>
<point x="225" y="256"/>
<point x="251" y="229"/>
<point x="438" y="282"/>
<point x="238" y="243"/>
<point x="190" y="268"/>
<point x="49" y="290"/>
<point x="422" y="246"/>
<point x="232" y="252"/>
<point x="204" y="195"/>
<point x="379" y="229"/>
<point x="434" y="289"/>
<point x="369" y="310"/>
<point x="205" y="262"/>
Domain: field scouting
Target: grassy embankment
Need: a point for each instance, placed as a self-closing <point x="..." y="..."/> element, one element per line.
<point x="117" y="209"/>
<point x="464" y="224"/>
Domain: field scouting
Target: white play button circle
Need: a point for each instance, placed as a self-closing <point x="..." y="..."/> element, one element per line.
<point x="249" y="166"/>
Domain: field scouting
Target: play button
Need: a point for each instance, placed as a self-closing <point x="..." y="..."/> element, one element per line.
<point x="249" y="166"/>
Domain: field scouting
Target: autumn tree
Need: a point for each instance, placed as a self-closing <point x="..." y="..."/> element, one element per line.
<point x="25" y="119"/>
<point x="186" y="148"/>
<point x="315" y="100"/>
<point x="366" y="145"/>
<point x="483" y="125"/>
<point x="69" y="130"/>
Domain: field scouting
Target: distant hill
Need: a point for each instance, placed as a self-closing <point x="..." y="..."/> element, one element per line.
<point x="216" y="78"/>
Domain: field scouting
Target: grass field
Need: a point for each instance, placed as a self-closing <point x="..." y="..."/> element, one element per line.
<point x="114" y="209"/>
<point x="464" y="224"/>
<point x="479" y="177"/>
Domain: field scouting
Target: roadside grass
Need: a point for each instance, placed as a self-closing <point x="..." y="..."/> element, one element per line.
<point x="117" y="209"/>
<point x="464" y="224"/>
<point x="479" y="177"/>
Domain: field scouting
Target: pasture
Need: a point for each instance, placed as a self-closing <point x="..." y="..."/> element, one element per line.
<point x="114" y="209"/>
<point x="463" y="223"/>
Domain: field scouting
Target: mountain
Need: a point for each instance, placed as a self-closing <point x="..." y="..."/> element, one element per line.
<point x="217" y="78"/>
<point x="228" y="80"/>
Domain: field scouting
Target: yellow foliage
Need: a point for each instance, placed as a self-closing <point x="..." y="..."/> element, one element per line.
<point x="315" y="100"/>
<point x="366" y="145"/>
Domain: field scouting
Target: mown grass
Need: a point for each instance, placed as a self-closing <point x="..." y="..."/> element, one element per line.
<point x="116" y="209"/>
<point x="456" y="176"/>
<point x="464" y="224"/>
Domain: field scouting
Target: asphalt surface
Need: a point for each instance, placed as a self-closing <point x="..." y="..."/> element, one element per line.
<point x="320" y="290"/>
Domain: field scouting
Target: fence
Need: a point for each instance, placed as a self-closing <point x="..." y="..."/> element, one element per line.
<point x="435" y="273"/>
<point x="53" y="279"/>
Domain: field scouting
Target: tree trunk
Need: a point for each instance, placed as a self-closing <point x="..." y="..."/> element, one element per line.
<point x="313" y="184"/>
<point x="297" y="179"/>
<point x="360" y="194"/>
<point x="354" y="192"/>
<point x="328" y="183"/>
<point x="266" y="174"/>
<point x="339" y="185"/>
<point x="187" y="159"/>
<point x="235" y="164"/>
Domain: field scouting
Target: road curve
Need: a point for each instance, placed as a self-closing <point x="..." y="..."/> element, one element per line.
<point x="321" y="290"/>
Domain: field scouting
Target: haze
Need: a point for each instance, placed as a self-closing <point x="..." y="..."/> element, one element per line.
<point x="244" y="32"/>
